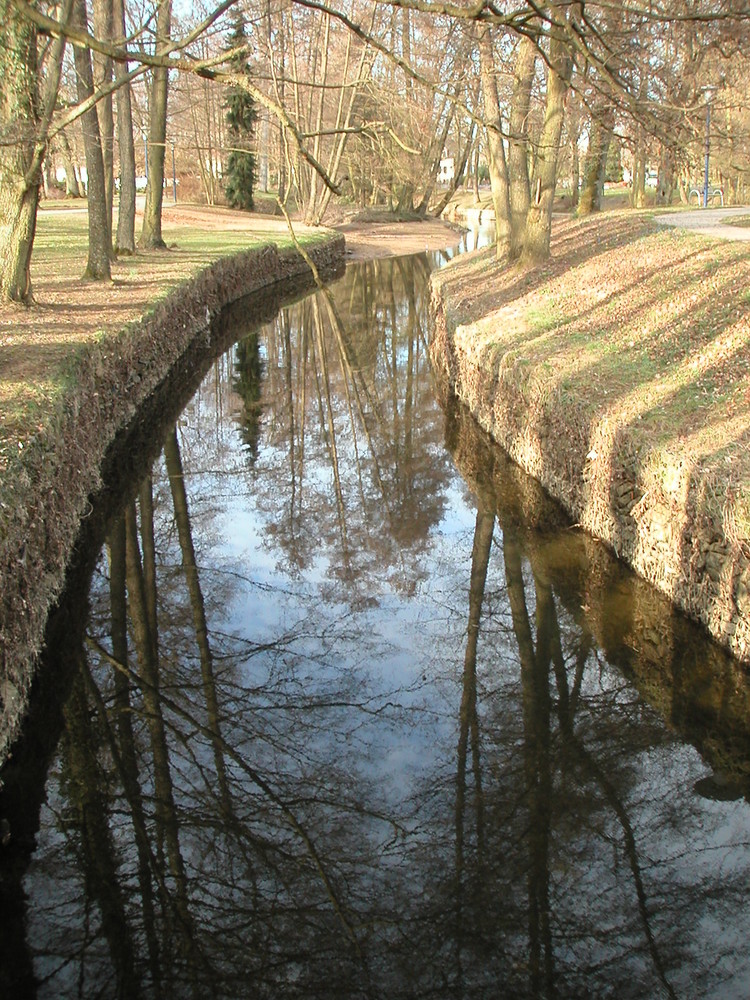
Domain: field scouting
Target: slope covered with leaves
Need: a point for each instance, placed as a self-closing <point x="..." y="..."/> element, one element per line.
<point x="619" y="375"/>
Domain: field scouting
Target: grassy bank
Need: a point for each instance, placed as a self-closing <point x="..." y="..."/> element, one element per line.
<point x="39" y="346"/>
<point x="76" y="368"/>
<point x="619" y="375"/>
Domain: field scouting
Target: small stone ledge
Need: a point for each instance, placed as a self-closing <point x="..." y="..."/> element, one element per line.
<point x="45" y="492"/>
<point x="676" y="540"/>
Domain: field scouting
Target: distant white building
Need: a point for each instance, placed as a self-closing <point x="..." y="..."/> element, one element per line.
<point x="447" y="170"/>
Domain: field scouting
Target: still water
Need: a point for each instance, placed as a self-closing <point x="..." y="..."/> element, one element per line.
<point x="344" y="708"/>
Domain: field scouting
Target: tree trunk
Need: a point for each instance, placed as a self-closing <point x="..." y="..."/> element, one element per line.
<point x="100" y="241"/>
<point x="19" y="192"/>
<point x="126" y="737"/>
<point x="575" y="173"/>
<point x="518" y="151"/>
<point x="468" y="717"/>
<point x="539" y="218"/>
<point x="458" y="175"/>
<point x="147" y="660"/>
<point x="125" y="241"/>
<point x="157" y="135"/>
<point x="495" y="149"/>
<point x="435" y="155"/>
<point x="665" y="183"/>
<point x="574" y="133"/>
<point x="595" y="166"/>
<point x="72" y="188"/>
<point x="103" y="28"/>
<point x="638" y="192"/>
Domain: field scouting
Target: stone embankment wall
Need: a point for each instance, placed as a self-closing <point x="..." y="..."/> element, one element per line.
<point x="670" y="533"/>
<point x="46" y="491"/>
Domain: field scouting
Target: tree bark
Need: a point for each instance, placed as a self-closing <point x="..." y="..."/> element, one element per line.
<point x="495" y="149"/>
<point x="148" y="663"/>
<point x="539" y="218"/>
<point x="173" y="461"/>
<point x="151" y="235"/>
<point x="103" y="69"/>
<point x="126" y="736"/>
<point x="458" y="175"/>
<point x="595" y="164"/>
<point x="100" y="242"/>
<point x="665" y="184"/>
<point x="85" y="784"/>
<point x="72" y="186"/>
<point x="638" y="192"/>
<point x="518" y="150"/>
<point x="125" y="240"/>
<point x="19" y="191"/>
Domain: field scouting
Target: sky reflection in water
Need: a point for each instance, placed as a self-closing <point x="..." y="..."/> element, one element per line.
<point x="356" y="714"/>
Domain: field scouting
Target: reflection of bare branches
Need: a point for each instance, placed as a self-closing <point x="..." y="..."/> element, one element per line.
<point x="323" y="375"/>
<point x="257" y="779"/>
<point x="469" y="720"/>
<point x="125" y="756"/>
<point x="614" y="800"/>
<point x="100" y="867"/>
<point x="145" y="646"/>
<point x="173" y="462"/>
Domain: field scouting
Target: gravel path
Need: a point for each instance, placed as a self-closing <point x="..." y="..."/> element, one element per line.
<point x="709" y="222"/>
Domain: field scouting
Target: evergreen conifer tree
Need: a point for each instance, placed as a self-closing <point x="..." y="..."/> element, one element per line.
<point x="239" y="172"/>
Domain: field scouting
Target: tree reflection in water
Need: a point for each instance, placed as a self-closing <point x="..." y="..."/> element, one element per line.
<point x="343" y="722"/>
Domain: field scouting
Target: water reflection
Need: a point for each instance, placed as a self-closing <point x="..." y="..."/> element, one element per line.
<point x="347" y="713"/>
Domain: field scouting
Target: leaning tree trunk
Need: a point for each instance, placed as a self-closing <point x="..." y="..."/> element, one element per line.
<point x="125" y="241"/>
<point x="157" y="135"/>
<point x="19" y="183"/>
<point x="539" y="218"/>
<point x="100" y="241"/>
<point x="458" y="175"/>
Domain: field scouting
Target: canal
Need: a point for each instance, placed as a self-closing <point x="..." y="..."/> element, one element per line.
<point x="338" y="704"/>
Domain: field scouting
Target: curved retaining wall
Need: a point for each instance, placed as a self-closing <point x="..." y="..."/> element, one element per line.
<point x="46" y="492"/>
<point x="676" y="542"/>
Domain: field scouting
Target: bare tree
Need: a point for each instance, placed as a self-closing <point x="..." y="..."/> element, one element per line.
<point x="100" y="239"/>
<point x="125" y="239"/>
<point x="157" y="132"/>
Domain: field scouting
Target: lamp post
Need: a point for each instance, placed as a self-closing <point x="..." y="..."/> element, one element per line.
<point x="708" y="93"/>
<point x="174" y="177"/>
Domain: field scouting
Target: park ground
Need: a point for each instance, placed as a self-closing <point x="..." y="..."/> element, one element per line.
<point x="630" y="332"/>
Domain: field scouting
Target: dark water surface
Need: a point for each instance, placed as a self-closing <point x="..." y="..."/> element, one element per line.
<point x="348" y="710"/>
